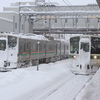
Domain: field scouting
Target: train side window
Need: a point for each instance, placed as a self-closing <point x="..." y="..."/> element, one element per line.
<point x="40" y="47"/>
<point x="24" y="46"/>
<point x="59" y="47"/>
<point x="2" y="44"/>
<point x="34" y="47"/>
<point x="67" y="47"/>
<point x="44" y="47"/>
<point x="20" y="46"/>
<point x="51" y="47"/>
<point x="27" y="46"/>
<point x="12" y="41"/>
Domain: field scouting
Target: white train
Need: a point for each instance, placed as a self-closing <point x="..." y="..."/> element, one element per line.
<point x="21" y="50"/>
<point x="85" y="52"/>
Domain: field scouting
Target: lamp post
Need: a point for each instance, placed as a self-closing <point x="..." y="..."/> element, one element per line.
<point x="38" y="56"/>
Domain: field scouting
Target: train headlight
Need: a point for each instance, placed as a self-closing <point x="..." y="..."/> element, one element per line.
<point x="74" y="56"/>
<point x="95" y="57"/>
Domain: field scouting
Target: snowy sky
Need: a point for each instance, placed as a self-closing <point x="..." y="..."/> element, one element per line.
<point x="6" y="3"/>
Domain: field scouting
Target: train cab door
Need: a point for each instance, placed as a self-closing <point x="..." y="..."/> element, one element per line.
<point x="28" y="50"/>
<point x="20" y="51"/>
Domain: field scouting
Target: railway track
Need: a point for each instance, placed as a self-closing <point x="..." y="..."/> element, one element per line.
<point x="54" y="89"/>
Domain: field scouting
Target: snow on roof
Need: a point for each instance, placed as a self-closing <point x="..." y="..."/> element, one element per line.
<point x="40" y="3"/>
<point x="6" y="19"/>
<point x="62" y="40"/>
<point x="85" y="40"/>
<point x="28" y="36"/>
<point x="27" y="4"/>
<point x="9" y="12"/>
<point x="33" y="36"/>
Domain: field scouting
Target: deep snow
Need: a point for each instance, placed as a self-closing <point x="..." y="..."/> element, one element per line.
<point x="18" y="83"/>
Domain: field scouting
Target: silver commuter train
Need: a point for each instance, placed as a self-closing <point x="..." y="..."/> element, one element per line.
<point x="79" y="53"/>
<point x="20" y="50"/>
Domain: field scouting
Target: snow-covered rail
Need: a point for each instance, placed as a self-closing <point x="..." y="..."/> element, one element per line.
<point x="66" y="87"/>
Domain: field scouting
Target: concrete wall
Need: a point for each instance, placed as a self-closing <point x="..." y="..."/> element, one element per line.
<point x="15" y="9"/>
<point x="6" y="25"/>
<point x="12" y="21"/>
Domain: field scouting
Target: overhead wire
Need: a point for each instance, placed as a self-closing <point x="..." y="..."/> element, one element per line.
<point x="58" y="13"/>
<point x="73" y="9"/>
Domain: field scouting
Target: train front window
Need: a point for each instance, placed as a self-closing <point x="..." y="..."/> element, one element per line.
<point x="12" y="41"/>
<point x="74" y="44"/>
<point x="2" y="44"/>
<point x="85" y="46"/>
<point x="95" y="45"/>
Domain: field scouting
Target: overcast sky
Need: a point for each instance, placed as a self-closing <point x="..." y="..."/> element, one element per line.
<point x="5" y="3"/>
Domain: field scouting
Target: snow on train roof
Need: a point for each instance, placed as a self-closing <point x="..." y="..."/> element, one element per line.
<point x="31" y="36"/>
<point x="28" y="36"/>
<point x="62" y="40"/>
<point x="85" y="40"/>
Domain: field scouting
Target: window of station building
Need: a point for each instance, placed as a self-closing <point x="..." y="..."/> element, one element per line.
<point x="55" y="20"/>
<point x="66" y="20"/>
<point x="22" y="27"/>
<point x="45" y="20"/>
<point x="15" y="25"/>
<point x="76" y="20"/>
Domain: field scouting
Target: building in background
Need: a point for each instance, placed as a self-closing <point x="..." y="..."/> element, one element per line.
<point x="9" y="18"/>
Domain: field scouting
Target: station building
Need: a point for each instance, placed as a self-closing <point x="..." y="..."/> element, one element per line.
<point x="9" y="18"/>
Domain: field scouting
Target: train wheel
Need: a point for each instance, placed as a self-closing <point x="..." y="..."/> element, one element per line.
<point x="30" y="63"/>
<point x="19" y="65"/>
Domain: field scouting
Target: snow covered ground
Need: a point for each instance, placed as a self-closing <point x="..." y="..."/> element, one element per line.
<point x="53" y="81"/>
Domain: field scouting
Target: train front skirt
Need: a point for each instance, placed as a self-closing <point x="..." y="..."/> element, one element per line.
<point x="84" y="69"/>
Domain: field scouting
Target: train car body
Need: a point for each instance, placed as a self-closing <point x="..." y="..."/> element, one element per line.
<point x="20" y="50"/>
<point x="85" y="62"/>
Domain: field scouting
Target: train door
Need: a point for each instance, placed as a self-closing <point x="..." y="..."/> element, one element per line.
<point x="44" y="45"/>
<point x="28" y="50"/>
<point x="46" y="48"/>
<point x="20" y="51"/>
<point x="56" y="49"/>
